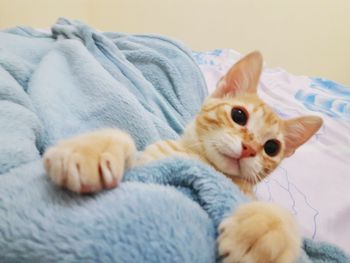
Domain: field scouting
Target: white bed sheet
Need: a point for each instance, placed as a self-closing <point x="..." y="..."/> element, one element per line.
<point x="314" y="184"/>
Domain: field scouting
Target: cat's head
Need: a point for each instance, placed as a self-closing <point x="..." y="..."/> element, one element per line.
<point x="239" y="134"/>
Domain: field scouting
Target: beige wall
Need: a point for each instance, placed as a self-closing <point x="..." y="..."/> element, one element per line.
<point x="309" y="37"/>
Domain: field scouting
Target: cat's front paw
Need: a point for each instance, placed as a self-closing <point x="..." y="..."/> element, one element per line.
<point x="90" y="162"/>
<point x="259" y="232"/>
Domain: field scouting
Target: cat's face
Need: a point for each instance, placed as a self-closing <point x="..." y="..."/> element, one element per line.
<point x="239" y="134"/>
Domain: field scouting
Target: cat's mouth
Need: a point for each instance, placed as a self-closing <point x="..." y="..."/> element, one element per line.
<point x="232" y="160"/>
<point x="228" y="157"/>
<point x="236" y="162"/>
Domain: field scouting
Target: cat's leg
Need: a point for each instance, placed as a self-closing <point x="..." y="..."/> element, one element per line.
<point x="90" y="162"/>
<point x="163" y="149"/>
<point x="259" y="232"/>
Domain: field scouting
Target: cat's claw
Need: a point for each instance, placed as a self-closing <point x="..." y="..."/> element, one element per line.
<point x="259" y="232"/>
<point x="89" y="163"/>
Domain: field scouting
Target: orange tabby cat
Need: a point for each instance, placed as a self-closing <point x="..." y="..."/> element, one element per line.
<point x="236" y="133"/>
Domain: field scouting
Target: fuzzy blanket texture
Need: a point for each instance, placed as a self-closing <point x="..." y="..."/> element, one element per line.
<point x="76" y="79"/>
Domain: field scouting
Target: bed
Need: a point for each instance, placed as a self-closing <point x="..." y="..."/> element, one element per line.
<point x="168" y="210"/>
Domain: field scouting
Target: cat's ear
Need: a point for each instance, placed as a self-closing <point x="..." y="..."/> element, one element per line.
<point x="242" y="77"/>
<point x="297" y="131"/>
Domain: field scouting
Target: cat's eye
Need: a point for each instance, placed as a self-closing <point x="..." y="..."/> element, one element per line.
<point x="272" y="147"/>
<point x="239" y="116"/>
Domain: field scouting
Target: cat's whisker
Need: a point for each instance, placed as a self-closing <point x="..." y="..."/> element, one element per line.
<point x="258" y="177"/>
<point x="255" y="178"/>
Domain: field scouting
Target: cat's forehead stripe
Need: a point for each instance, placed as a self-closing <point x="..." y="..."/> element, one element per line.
<point x="270" y="117"/>
<point x="258" y="107"/>
<point x="225" y="116"/>
<point x="214" y="106"/>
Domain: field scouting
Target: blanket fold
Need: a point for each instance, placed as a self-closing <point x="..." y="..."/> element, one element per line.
<point x="76" y="79"/>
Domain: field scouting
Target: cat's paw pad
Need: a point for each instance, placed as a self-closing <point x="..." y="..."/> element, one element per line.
<point x="259" y="232"/>
<point x="88" y="163"/>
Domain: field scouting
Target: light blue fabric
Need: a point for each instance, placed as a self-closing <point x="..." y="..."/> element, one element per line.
<point x="53" y="86"/>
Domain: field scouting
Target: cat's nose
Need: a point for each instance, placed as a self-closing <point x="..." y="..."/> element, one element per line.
<point x="247" y="151"/>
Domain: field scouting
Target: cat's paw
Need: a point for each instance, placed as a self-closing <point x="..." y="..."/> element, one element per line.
<point x="259" y="232"/>
<point x="90" y="162"/>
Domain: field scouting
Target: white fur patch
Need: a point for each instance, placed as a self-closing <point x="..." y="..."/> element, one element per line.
<point x="250" y="168"/>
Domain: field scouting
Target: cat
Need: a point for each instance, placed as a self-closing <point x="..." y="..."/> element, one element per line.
<point x="236" y="133"/>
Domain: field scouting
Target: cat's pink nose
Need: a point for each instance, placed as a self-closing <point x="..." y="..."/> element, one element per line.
<point x="247" y="151"/>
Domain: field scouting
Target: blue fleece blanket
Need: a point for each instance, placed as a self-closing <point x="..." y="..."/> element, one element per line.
<point x="75" y="79"/>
